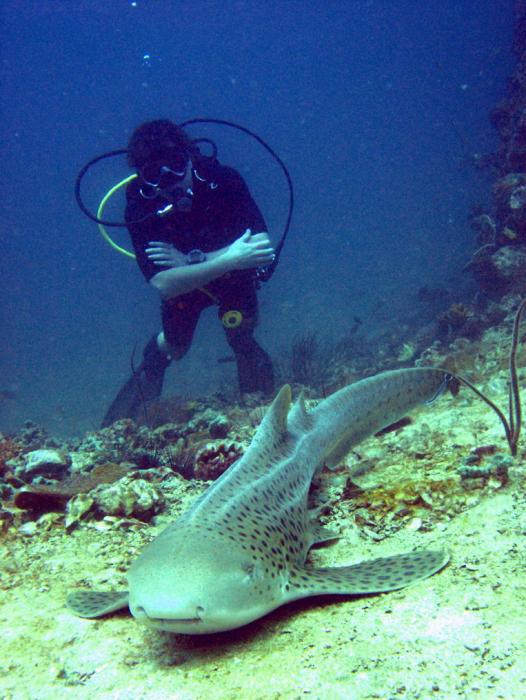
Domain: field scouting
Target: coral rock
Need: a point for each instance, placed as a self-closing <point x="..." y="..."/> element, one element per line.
<point x="502" y="272"/>
<point x="214" y="459"/>
<point x="129" y="497"/>
<point x="51" y="464"/>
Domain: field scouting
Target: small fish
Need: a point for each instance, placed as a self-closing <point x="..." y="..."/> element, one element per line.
<point x="240" y="551"/>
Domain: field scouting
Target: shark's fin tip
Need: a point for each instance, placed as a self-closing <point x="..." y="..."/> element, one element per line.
<point x="92" y="604"/>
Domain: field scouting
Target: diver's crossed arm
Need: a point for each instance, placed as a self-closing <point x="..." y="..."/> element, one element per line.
<point x="185" y="278"/>
<point x="248" y="251"/>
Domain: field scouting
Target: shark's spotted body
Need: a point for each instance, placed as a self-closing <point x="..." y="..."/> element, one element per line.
<point x="240" y="550"/>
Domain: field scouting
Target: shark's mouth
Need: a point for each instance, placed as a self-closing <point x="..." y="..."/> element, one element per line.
<point x="140" y="614"/>
<point x="179" y="620"/>
<point x="171" y="623"/>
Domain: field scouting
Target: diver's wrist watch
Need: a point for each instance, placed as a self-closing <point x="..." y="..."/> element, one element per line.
<point x="195" y="256"/>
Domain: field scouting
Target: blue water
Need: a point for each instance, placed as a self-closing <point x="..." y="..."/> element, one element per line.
<point x="377" y="107"/>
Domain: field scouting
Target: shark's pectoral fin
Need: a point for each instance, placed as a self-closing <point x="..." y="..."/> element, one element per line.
<point x="319" y="534"/>
<point x="96" y="603"/>
<point x="316" y="532"/>
<point x="375" y="576"/>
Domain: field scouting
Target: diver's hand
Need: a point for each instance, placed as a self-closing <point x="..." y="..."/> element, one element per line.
<point x="250" y="250"/>
<point x="164" y="254"/>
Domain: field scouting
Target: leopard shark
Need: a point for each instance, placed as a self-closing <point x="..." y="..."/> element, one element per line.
<point x="240" y="551"/>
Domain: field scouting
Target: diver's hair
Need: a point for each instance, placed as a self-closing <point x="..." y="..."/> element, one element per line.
<point x="154" y="138"/>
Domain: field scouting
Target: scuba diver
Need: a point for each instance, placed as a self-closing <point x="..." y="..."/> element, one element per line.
<point x="199" y="239"/>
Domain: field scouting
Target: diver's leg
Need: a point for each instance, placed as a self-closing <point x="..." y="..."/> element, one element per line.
<point x="254" y="366"/>
<point x="145" y="384"/>
<point x="179" y="319"/>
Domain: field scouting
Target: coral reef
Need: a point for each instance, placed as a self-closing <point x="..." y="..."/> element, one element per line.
<point x="214" y="459"/>
<point x="461" y="320"/>
<point x="499" y="263"/>
<point x="502" y="272"/>
<point x="509" y="117"/>
<point x="111" y="472"/>
<point x="9" y="449"/>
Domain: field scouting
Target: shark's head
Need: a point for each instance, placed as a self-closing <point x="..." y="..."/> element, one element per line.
<point x="197" y="585"/>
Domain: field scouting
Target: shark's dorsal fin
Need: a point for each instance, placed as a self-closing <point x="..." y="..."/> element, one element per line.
<point x="273" y="428"/>
<point x="267" y="446"/>
<point x="300" y="421"/>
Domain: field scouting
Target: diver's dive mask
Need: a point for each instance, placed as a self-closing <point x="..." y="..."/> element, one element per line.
<point x="163" y="173"/>
<point x="160" y="180"/>
<point x="163" y="180"/>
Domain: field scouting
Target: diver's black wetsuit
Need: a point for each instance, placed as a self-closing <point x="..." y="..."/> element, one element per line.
<point x="222" y="209"/>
